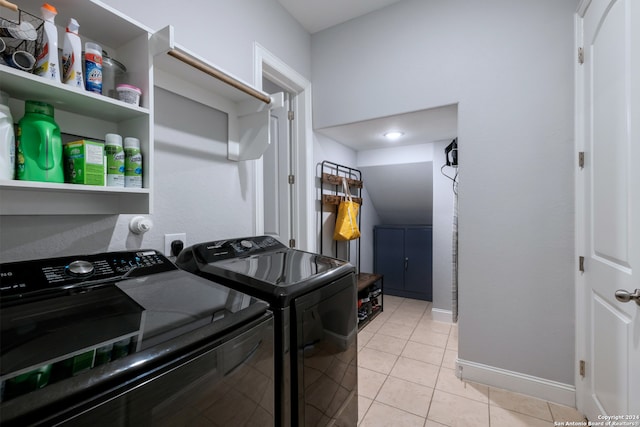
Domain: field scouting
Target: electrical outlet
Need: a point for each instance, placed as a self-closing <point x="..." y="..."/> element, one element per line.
<point x="168" y="238"/>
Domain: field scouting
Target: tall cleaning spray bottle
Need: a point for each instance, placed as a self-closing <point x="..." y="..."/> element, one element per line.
<point x="72" y="56"/>
<point x="47" y="64"/>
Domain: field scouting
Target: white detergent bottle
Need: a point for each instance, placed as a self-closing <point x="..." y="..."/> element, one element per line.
<point x="47" y="64"/>
<point x="72" y="56"/>
<point x="7" y="140"/>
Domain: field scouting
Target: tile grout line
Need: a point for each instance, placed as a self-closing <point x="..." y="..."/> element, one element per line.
<point x="436" y="384"/>
<point x="519" y="412"/>
<point x="432" y="395"/>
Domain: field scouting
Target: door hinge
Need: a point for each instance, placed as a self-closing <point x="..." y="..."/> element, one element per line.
<point x="581" y="264"/>
<point x="580" y="55"/>
<point x="581" y="159"/>
<point x="292" y="243"/>
<point x="292" y="179"/>
<point x="290" y="115"/>
<point x="583" y="368"/>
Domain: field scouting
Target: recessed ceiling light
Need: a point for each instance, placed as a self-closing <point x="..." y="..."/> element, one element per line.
<point x="394" y="134"/>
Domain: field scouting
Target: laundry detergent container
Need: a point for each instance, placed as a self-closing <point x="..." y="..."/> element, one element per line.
<point x="39" y="154"/>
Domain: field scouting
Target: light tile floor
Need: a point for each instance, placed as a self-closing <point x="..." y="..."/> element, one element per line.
<point x="406" y="377"/>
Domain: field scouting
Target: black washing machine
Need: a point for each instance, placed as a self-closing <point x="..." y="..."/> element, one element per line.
<point x="128" y="339"/>
<point x="314" y="301"/>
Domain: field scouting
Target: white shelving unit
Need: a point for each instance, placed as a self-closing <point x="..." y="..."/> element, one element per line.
<point x="151" y="59"/>
<point x="87" y="115"/>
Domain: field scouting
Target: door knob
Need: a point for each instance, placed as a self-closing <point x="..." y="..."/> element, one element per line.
<point x="625" y="296"/>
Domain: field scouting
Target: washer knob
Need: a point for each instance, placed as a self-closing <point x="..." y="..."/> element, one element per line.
<point x="80" y="268"/>
<point x="246" y="244"/>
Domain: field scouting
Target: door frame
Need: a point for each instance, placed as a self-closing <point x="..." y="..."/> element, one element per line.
<point x="268" y="65"/>
<point x="581" y="296"/>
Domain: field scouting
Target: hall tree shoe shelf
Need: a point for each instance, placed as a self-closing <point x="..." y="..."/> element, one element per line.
<point x="368" y="294"/>
<point x="86" y="115"/>
<point x="370" y="285"/>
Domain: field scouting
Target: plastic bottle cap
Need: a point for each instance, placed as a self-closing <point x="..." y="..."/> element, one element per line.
<point x="72" y="26"/>
<point x="48" y="12"/>
<point x="37" y="107"/>
<point x="113" y="139"/>
<point x="88" y="46"/>
<point x="130" y="142"/>
<point x="50" y="8"/>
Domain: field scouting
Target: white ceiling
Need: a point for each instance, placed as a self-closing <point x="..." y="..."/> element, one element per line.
<point x="315" y="15"/>
<point x="419" y="127"/>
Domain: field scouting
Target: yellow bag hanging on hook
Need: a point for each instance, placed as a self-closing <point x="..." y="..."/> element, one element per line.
<point x="347" y="219"/>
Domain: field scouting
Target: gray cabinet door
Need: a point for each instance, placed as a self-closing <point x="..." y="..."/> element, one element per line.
<point x="403" y="255"/>
<point x="418" y="259"/>
<point x="389" y="257"/>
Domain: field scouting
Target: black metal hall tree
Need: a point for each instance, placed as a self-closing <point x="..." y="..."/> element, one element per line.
<point x="332" y="175"/>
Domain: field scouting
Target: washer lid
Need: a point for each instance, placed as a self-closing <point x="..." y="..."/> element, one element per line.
<point x="283" y="267"/>
<point x="178" y="302"/>
<point x="51" y="311"/>
<point x="263" y="267"/>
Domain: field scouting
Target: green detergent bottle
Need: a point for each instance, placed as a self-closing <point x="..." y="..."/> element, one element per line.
<point x="39" y="154"/>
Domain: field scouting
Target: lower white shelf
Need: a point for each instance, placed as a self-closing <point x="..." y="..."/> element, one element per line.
<point x="46" y="198"/>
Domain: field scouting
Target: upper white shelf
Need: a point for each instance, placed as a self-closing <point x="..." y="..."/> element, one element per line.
<point x="21" y="85"/>
<point x="179" y="61"/>
<point x="247" y="107"/>
<point x="98" y="21"/>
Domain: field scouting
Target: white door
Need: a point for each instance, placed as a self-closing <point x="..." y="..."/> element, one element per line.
<point x="608" y="216"/>
<point x="276" y="168"/>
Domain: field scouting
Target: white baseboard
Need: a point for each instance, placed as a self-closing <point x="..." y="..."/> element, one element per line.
<point x="541" y="388"/>
<point x="440" y="315"/>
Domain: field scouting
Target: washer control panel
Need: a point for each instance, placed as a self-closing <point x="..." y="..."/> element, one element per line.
<point x="236" y="248"/>
<point x="19" y="279"/>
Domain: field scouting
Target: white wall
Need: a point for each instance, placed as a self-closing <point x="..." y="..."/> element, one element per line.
<point x="224" y="31"/>
<point x="197" y="190"/>
<point x="370" y="219"/>
<point x="508" y="64"/>
<point x="407" y="198"/>
<point x="418" y="153"/>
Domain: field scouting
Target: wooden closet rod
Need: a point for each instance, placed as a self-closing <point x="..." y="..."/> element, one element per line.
<point x="220" y="76"/>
